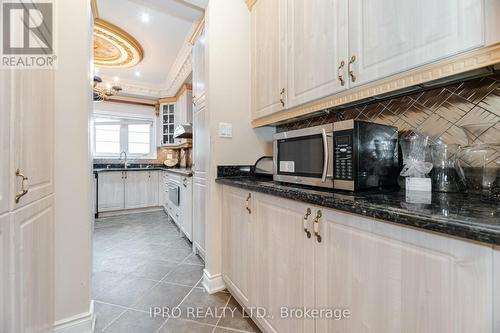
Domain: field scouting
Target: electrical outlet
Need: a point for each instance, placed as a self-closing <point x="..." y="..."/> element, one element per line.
<point x="225" y="130"/>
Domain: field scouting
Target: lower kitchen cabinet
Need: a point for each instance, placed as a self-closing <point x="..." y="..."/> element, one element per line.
<point x="141" y="189"/>
<point x="379" y="276"/>
<point x="186" y="207"/>
<point x="111" y="191"/>
<point x="5" y="289"/>
<point x="199" y="214"/>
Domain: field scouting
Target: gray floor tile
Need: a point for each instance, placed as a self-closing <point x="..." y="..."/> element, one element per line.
<point x="185" y="274"/>
<point x="194" y="259"/>
<point x="127" y="291"/>
<point x="211" y="305"/>
<point x="104" y="281"/>
<point x="154" y="269"/>
<point x="233" y="317"/>
<point x="105" y="314"/>
<point x="163" y="295"/>
<point x="135" y="322"/>
<point x="185" y="326"/>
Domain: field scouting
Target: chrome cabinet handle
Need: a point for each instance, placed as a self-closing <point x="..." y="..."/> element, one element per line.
<point x="306" y="217"/>
<point x="24" y="185"/>
<point x="351" y="71"/>
<point x="316" y="226"/>
<point x="340" y="73"/>
<point x="325" y="155"/>
<point x="282" y="97"/>
<point x="248" y="202"/>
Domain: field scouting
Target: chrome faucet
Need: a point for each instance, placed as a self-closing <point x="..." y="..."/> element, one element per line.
<point x="125" y="164"/>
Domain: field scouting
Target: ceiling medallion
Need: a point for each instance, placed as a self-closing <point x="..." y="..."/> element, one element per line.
<point x="114" y="48"/>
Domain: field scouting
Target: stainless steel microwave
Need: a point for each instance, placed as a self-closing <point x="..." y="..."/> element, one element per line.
<point x="304" y="156"/>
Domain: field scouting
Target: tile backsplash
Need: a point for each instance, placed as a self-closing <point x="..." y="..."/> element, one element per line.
<point x="161" y="157"/>
<point x="438" y="113"/>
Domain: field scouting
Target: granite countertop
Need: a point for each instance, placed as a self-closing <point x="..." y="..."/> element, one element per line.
<point x="458" y="214"/>
<point x="146" y="167"/>
<point x="188" y="172"/>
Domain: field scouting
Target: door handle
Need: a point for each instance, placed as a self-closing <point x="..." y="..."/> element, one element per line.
<point x="248" y="202"/>
<point x="316" y="225"/>
<point x="351" y="71"/>
<point x="306" y="217"/>
<point x="24" y="189"/>
<point x="340" y="73"/>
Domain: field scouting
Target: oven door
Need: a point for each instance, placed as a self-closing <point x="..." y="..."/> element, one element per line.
<point x="174" y="194"/>
<point x="304" y="156"/>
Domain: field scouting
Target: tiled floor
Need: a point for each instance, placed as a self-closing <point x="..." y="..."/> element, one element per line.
<point x="140" y="262"/>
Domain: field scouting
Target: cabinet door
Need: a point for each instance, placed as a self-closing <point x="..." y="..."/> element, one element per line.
<point x="33" y="267"/>
<point x="391" y="36"/>
<point x="5" y="279"/>
<point x="395" y="279"/>
<point x="317" y="45"/>
<point x="201" y="140"/>
<point x="111" y="191"/>
<point x="33" y="128"/>
<point x="199" y="213"/>
<point x="283" y="261"/>
<point x="141" y="189"/>
<point x="187" y="207"/>
<point x="236" y="241"/>
<point x="6" y="110"/>
<point x="199" y="79"/>
<point x="268" y="44"/>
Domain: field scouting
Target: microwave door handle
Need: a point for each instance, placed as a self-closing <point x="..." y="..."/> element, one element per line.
<point x="325" y="155"/>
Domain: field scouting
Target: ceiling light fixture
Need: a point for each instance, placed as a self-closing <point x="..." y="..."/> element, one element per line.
<point x="137" y="73"/>
<point x="145" y="18"/>
<point x="101" y="94"/>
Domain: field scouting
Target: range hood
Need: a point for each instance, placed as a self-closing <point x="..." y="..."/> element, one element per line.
<point x="183" y="132"/>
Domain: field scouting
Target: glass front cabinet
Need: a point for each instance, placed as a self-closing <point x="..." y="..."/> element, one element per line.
<point x="168" y="124"/>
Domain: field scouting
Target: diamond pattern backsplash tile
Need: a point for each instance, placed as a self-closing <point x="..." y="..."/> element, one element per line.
<point x="438" y="113"/>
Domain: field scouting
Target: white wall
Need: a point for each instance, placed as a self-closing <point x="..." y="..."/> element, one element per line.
<point x="228" y="98"/>
<point x="73" y="217"/>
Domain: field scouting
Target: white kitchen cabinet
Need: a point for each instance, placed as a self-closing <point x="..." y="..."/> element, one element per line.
<point x="167" y="123"/>
<point x="268" y="45"/>
<point x="199" y="70"/>
<point x="199" y="214"/>
<point x="395" y="279"/>
<point x="283" y="273"/>
<point x="184" y="110"/>
<point x="33" y="267"/>
<point x="141" y="189"/>
<point x="5" y="279"/>
<point x="317" y="49"/>
<point x="5" y="117"/>
<point x="391" y="36"/>
<point x="163" y="190"/>
<point x="111" y="191"/>
<point x="237" y="241"/>
<point x="186" y="207"/>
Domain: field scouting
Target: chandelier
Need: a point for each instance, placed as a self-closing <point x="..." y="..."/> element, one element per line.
<point x="101" y="94"/>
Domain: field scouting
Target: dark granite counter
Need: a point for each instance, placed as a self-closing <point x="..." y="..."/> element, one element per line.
<point x="458" y="214"/>
<point x="98" y="168"/>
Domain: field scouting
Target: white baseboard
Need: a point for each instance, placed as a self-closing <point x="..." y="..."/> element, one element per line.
<point x="81" y="323"/>
<point x="213" y="283"/>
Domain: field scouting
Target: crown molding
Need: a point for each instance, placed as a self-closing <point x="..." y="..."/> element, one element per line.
<point x="197" y="31"/>
<point x="95" y="10"/>
<point x="131" y="100"/>
<point x="250" y="4"/>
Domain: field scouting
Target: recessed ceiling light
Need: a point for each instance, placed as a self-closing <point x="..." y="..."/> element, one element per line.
<point x="96" y="70"/>
<point x="145" y="17"/>
<point x="116" y="79"/>
<point x="137" y="73"/>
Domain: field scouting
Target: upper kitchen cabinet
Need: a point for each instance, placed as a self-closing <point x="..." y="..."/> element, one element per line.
<point x="390" y="36"/>
<point x="199" y="78"/>
<point x="317" y="49"/>
<point x="184" y="109"/>
<point x="268" y="43"/>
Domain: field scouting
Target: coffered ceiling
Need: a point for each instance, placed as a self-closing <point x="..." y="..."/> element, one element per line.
<point x="163" y="29"/>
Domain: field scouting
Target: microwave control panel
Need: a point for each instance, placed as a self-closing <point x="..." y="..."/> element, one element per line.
<point x="343" y="150"/>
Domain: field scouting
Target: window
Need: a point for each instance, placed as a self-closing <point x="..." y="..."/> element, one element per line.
<point x="115" y="134"/>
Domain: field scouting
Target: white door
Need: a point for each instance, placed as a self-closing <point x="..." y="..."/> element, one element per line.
<point x="33" y="119"/>
<point x="390" y="36"/>
<point x="394" y="279"/>
<point x="199" y="77"/>
<point x="5" y="117"/>
<point x="141" y="189"/>
<point x="33" y="267"/>
<point x="283" y="261"/>
<point x="111" y="191"/>
<point x="317" y="49"/>
<point x="237" y="241"/>
<point x="5" y="279"/>
<point x="268" y="45"/>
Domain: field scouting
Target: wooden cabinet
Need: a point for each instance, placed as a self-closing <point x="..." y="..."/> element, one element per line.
<point x="237" y="241"/>
<point x="199" y="77"/>
<point x="111" y="191"/>
<point x="395" y="279"/>
<point x="186" y="207"/>
<point x="141" y="189"/>
<point x="268" y="44"/>
<point x="317" y="48"/>
<point x="388" y="37"/>
<point x="379" y="276"/>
